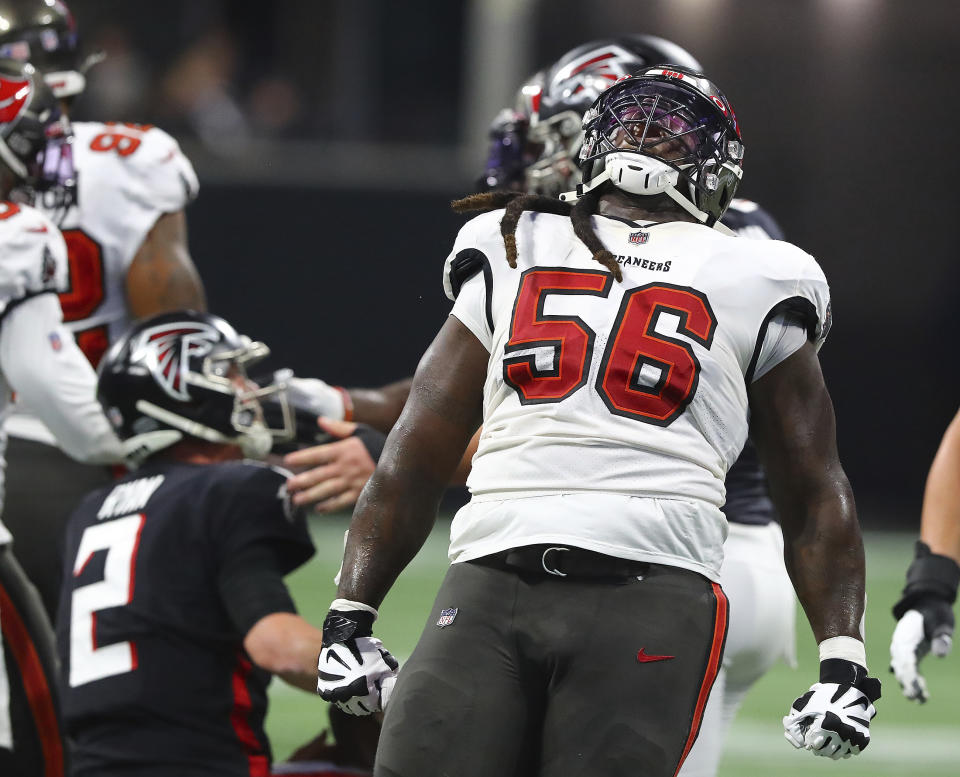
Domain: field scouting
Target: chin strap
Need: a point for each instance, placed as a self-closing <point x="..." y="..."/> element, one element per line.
<point x="583" y="189"/>
<point x="671" y="192"/>
<point x="698" y="214"/>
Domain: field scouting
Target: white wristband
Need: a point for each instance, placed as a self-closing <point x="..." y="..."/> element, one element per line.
<point x="345" y="605"/>
<point x="847" y="648"/>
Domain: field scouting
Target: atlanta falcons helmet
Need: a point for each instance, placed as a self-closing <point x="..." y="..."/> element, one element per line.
<point x="35" y="138"/>
<point x="44" y="33"/>
<point x="666" y="130"/>
<point x="550" y="105"/>
<point x="185" y="374"/>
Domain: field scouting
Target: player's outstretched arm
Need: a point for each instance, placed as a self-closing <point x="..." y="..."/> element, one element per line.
<point x="395" y="512"/>
<point x="162" y="276"/>
<point x="52" y="377"/>
<point x="380" y="407"/>
<point x="940" y="519"/>
<point x="925" y="620"/>
<point x="793" y="424"/>
<point x="286" y="645"/>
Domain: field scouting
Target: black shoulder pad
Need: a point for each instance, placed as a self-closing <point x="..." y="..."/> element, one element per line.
<point x="464" y="266"/>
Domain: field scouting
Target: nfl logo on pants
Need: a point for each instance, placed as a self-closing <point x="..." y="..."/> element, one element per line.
<point x="447" y="616"/>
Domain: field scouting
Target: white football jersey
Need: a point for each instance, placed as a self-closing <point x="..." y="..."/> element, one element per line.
<point x="128" y="175"/>
<point x="612" y="411"/>
<point x="33" y="260"/>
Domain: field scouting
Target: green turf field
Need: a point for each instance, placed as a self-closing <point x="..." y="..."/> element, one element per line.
<point x="908" y="740"/>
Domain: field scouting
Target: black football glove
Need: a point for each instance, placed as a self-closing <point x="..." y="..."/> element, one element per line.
<point x="832" y="719"/>
<point x="354" y="672"/>
<point x="925" y="619"/>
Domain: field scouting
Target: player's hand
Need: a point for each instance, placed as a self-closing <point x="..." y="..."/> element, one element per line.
<point x="354" y="672"/>
<point x="315" y="395"/>
<point x="928" y="628"/>
<point x="925" y="619"/>
<point x="833" y="719"/>
<point x="337" y="471"/>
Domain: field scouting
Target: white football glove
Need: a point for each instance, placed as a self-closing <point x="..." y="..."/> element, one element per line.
<point x="354" y="671"/>
<point x="314" y="395"/>
<point x="833" y="719"/>
<point x="911" y="642"/>
<point x="925" y="619"/>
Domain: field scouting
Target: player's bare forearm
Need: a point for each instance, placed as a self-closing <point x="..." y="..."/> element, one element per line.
<point x="286" y="645"/>
<point x="399" y="504"/>
<point x="380" y="407"/>
<point x="940" y="522"/>
<point x="793" y="424"/>
<point x="162" y="276"/>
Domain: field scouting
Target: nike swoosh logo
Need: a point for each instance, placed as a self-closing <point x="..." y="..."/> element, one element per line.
<point x="644" y="658"/>
<point x="37" y="229"/>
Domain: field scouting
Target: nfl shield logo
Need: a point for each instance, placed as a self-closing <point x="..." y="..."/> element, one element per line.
<point x="639" y="238"/>
<point x="446" y="617"/>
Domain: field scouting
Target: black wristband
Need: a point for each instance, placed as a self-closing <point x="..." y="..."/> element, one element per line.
<point x="843" y="672"/>
<point x="930" y="575"/>
<point x="343" y="625"/>
<point x="373" y="440"/>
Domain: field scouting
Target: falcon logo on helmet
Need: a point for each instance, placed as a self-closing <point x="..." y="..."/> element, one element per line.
<point x="166" y="352"/>
<point x="185" y="373"/>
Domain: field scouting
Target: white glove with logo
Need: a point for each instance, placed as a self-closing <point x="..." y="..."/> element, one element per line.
<point x="832" y="719"/>
<point x="354" y="671"/>
<point x="925" y="619"/>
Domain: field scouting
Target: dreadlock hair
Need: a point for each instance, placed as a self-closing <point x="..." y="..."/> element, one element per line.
<point x="515" y="203"/>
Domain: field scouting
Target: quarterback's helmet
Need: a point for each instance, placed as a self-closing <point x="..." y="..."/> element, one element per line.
<point x="44" y="33"/>
<point x="185" y="373"/>
<point x="551" y="104"/>
<point x="665" y="130"/>
<point x="35" y="137"/>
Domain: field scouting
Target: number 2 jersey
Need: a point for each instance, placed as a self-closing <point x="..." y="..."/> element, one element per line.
<point x="612" y="411"/>
<point x="128" y="176"/>
<point x="154" y="678"/>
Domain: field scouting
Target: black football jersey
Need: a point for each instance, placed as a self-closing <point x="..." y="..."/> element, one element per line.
<point x="154" y="677"/>
<point x="748" y="500"/>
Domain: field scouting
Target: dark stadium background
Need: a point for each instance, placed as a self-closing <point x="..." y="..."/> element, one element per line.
<point x="330" y="134"/>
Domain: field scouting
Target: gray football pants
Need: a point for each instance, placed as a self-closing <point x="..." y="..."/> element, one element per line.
<point x="556" y="676"/>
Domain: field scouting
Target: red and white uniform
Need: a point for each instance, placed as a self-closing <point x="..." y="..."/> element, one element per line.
<point x="39" y="358"/>
<point x="128" y="176"/>
<point x="612" y="411"/>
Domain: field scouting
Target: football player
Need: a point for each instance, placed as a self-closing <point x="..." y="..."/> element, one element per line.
<point x="614" y="377"/>
<point x="174" y="608"/>
<point x="40" y="361"/>
<point x="534" y="148"/>
<point x="545" y="127"/>
<point x="924" y="613"/>
<point x="127" y="249"/>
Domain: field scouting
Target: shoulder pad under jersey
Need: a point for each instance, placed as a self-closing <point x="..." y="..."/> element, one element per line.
<point x="33" y="256"/>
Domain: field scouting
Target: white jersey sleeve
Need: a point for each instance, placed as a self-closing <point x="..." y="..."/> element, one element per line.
<point x="33" y="257"/>
<point x="42" y="363"/>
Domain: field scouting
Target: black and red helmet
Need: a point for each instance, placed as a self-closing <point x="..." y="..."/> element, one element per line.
<point x="185" y="373"/>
